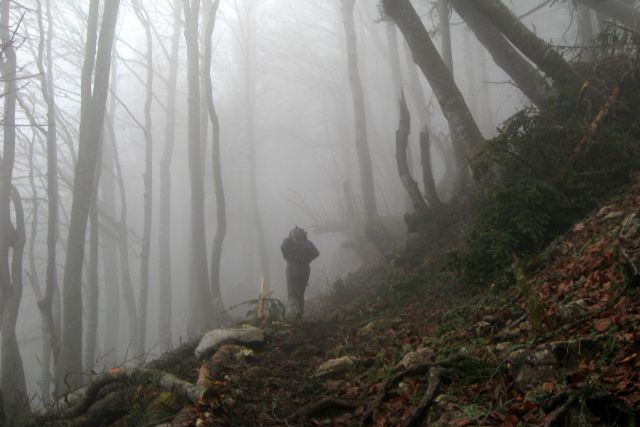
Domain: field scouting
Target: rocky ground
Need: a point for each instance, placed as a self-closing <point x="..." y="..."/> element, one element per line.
<point x="399" y="346"/>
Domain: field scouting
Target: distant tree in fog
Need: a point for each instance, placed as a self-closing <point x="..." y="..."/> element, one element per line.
<point x="201" y="306"/>
<point x="216" y="164"/>
<point x="357" y="95"/>
<point x="164" y="227"/>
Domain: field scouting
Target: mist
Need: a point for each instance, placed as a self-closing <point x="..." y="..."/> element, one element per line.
<point x="281" y="93"/>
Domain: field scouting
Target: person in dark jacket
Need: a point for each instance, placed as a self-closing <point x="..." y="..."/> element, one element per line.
<point x="298" y="251"/>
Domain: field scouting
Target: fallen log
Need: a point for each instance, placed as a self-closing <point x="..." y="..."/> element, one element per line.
<point x="78" y="402"/>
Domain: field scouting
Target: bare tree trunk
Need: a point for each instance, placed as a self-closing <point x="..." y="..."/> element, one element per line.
<point x="537" y="50"/>
<point x="250" y="100"/>
<point x="93" y="291"/>
<point x="618" y="10"/>
<point x="143" y="17"/>
<point x="110" y="240"/>
<point x="12" y="380"/>
<point x="51" y="287"/>
<point x="528" y="80"/>
<point x="93" y="109"/>
<point x="402" y="140"/>
<point x="200" y="315"/>
<point x="221" y="214"/>
<point x="427" y="58"/>
<point x="357" y="93"/>
<point x="447" y="57"/>
<point x="15" y="398"/>
<point x="123" y="250"/>
<point x="164" y="255"/>
<point x="45" y="380"/>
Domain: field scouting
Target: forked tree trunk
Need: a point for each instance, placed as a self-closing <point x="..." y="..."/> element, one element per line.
<point x="430" y="191"/>
<point x="402" y="141"/>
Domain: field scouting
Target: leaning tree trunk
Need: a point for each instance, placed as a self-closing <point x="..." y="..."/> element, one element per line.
<point x="93" y="105"/>
<point x="201" y="311"/>
<point x="221" y="213"/>
<point x="12" y="380"/>
<point x="164" y="244"/>
<point x="526" y="78"/>
<point x="143" y="17"/>
<point x="427" y="58"/>
<point x="357" y="94"/>
<point x="618" y="10"/>
<point x="447" y="57"/>
<point x="537" y="50"/>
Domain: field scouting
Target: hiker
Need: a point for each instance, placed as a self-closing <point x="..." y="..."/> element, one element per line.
<point x="298" y="251"/>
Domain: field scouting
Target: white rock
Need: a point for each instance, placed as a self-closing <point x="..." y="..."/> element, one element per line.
<point x="418" y="357"/>
<point x="334" y="366"/>
<point x="212" y="340"/>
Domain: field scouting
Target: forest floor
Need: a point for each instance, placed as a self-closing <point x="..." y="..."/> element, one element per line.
<point x="560" y="348"/>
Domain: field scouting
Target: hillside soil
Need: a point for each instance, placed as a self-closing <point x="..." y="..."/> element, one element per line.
<point x="560" y="347"/>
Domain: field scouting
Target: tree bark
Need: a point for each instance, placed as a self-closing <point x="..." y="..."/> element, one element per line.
<point x="93" y="104"/>
<point x="110" y="240"/>
<point x="200" y="314"/>
<point x="526" y="78"/>
<point x="427" y="58"/>
<point x="250" y="101"/>
<point x="123" y="251"/>
<point x="164" y="230"/>
<point x="143" y="298"/>
<point x="357" y="93"/>
<point x="221" y="214"/>
<point x="537" y="50"/>
<point x="49" y="351"/>
<point x="12" y="380"/>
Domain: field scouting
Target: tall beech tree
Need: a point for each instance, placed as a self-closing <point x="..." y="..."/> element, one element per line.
<point x="93" y="104"/>
<point x="201" y="312"/>
<point x="357" y="95"/>
<point x="12" y="237"/>
<point x="164" y="223"/>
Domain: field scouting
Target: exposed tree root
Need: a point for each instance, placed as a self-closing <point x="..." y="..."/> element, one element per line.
<point x="322" y="405"/>
<point x="389" y="383"/>
<point x="79" y="401"/>
<point x="559" y="411"/>
<point x="435" y="379"/>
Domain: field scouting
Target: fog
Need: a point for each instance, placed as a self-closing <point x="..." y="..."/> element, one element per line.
<point x="304" y="149"/>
